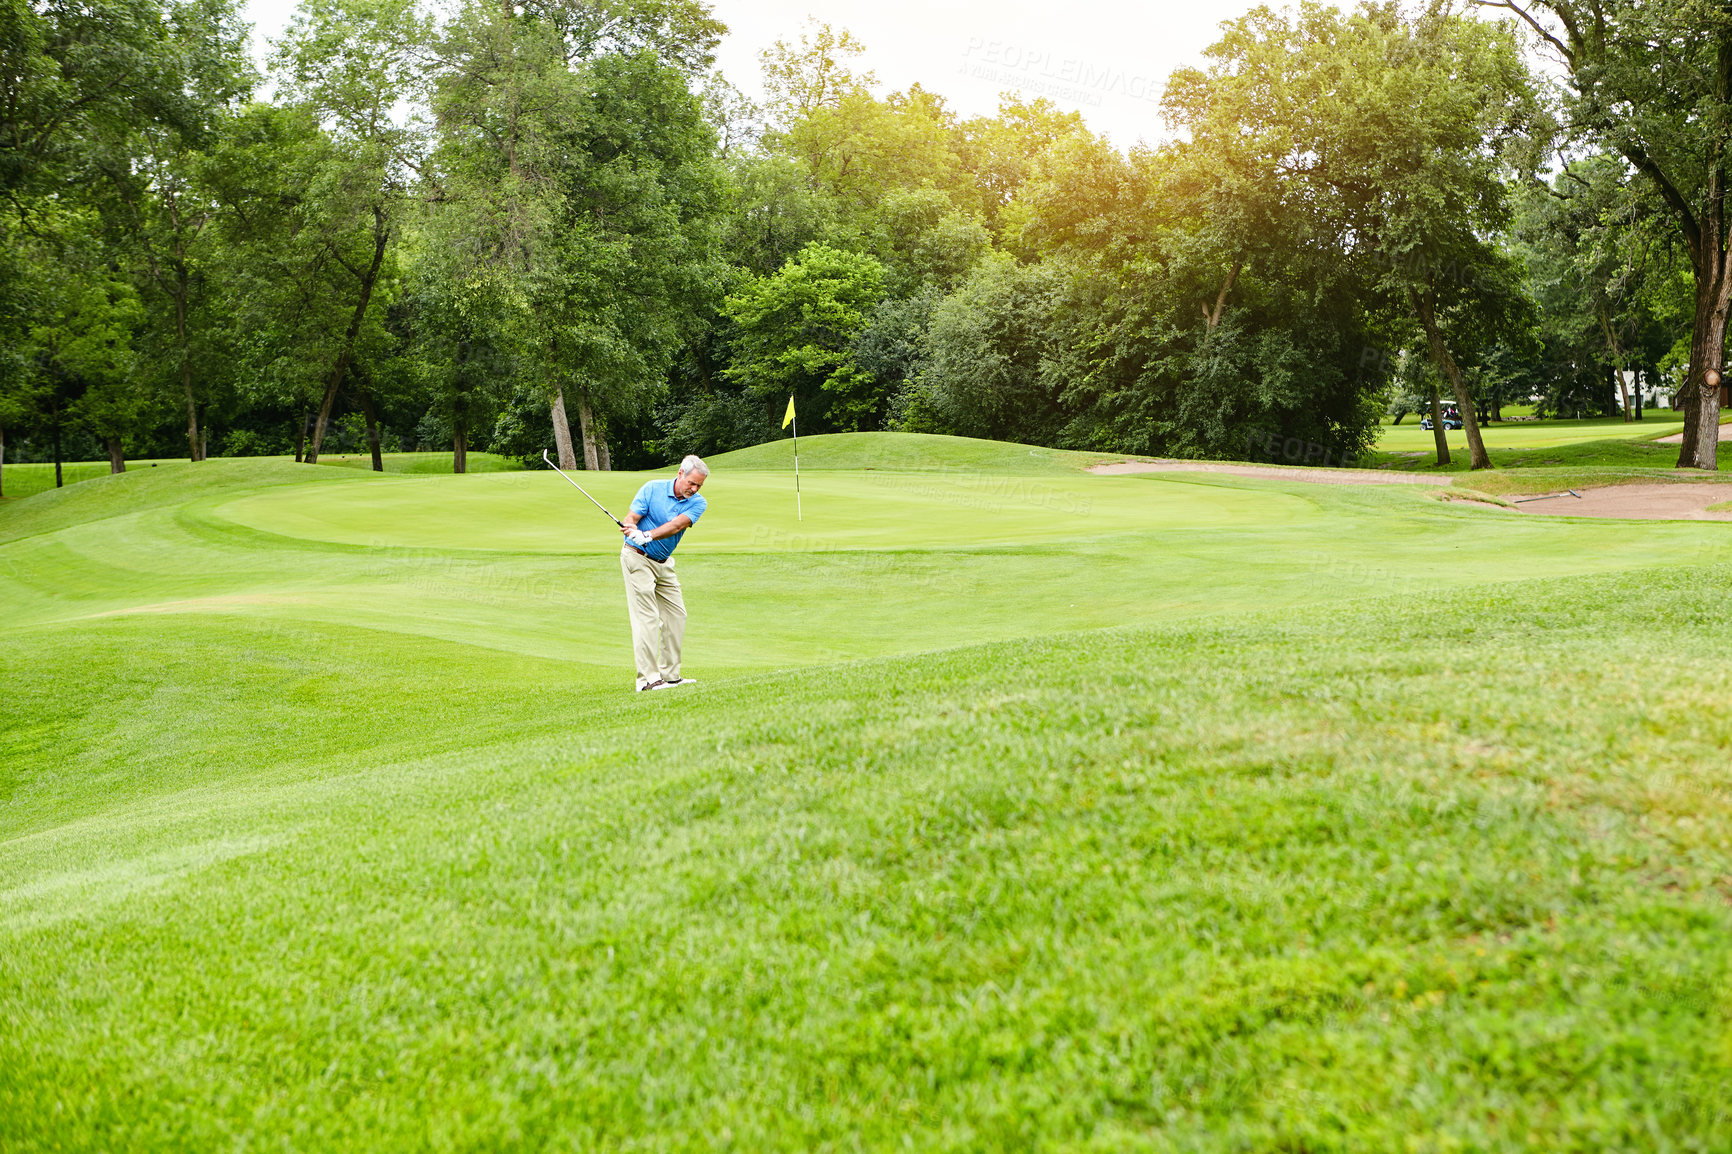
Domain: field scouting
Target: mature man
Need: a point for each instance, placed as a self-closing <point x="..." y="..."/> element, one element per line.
<point x="660" y="514"/>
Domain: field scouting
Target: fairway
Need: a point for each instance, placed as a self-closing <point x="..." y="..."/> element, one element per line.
<point x="1015" y="808"/>
<point x="1408" y="437"/>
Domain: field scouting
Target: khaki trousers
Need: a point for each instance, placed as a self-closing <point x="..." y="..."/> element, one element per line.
<point x="658" y="616"/>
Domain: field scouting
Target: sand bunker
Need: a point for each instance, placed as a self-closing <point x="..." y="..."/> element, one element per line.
<point x="1678" y="502"/>
<point x="1273" y="472"/>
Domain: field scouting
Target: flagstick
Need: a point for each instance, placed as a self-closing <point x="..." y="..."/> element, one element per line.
<point x="799" y="513"/>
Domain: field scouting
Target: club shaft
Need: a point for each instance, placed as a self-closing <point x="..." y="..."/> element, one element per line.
<point x="581" y="489"/>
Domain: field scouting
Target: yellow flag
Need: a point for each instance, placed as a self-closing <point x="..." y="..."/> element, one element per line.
<point x="789" y="415"/>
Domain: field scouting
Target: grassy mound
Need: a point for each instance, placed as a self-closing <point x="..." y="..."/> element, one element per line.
<point x="906" y="452"/>
<point x="142" y="489"/>
<point x="1137" y="832"/>
<point x="424" y="463"/>
<point x="30" y="479"/>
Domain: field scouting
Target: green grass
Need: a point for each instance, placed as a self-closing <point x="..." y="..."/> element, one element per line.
<point x="908" y="452"/>
<point x="1211" y="814"/>
<point x="28" y="480"/>
<point x="1531" y="456"/>
<point x="1536" y="435"/>
<point x="420" y="463"/>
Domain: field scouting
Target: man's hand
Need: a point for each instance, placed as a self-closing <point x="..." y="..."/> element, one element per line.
<point x="637" y="536"/>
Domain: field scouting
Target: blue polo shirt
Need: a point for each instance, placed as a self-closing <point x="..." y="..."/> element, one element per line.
<point x="656" y="505"/>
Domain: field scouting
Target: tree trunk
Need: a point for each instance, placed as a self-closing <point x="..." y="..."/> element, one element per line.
<point x="301" y="438"/>
<point x="194" y="443"/>
<point x="372" y="415"/>
<point x="1617" y="362"/>
<point x="323" y="419"/>
<point x="586" y="425"/>
<point x="562" y="432"/>
<point x="58" y="479"/>
<point x="1437" y="432"/>
<point x="2" y="460"/>
<point x="1707" y="354"/>
<point x="1685" y="399"/>
<point x="116" y="458"/>
<point x="1478" y="458"/>
<point x="341" y="369"/>
<point x="602" y="454"/>
<point x="1212" y="320"/>
<point x="1641" y="379"/>
<point x="459" y="449"/>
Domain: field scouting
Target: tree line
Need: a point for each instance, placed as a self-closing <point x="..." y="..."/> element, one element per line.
<point x="551" y="224"/>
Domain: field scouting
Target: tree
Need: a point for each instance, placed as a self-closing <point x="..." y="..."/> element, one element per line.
<point x="988" y="369"/>
<point x="794" y="334"/>
<point x="924" y="240"/>
<point x="84" y="341"/>
<point x="774" y="212"/>
<point x="1652" y="81"/>
<point x="734" y="119"/>
<point x="352" y="63"/>
<point x="20" y="301"/>
<point x="150" y="188"/>
<point x="1396" y="134"/>
<point x="66" y="68"/>
<point x="457" y="352"/>
<point x="894" y="349"/>
<point x="1206" y="308"/>
<point x="1603" y="265"/>
<point x="801" y="79"/>
<point x="863" y="148"/>
<point x="1005" y="152"/>
<point x="582" y="165"/>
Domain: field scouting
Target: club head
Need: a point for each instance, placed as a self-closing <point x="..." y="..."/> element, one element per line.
<point x="546" y="458"/>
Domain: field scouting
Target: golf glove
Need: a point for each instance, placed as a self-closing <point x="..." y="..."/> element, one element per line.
<point x="638" y="537"/>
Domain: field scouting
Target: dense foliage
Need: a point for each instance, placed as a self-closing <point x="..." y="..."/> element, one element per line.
<point x="552" y="226"/>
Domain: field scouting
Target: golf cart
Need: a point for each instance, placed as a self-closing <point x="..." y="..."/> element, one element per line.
<point x="1451" y="418"/>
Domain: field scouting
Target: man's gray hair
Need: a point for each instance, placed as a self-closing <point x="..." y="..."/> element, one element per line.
<point x="694" y="464"/>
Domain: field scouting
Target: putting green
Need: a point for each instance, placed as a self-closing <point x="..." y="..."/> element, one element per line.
<point x="755" y="511"/>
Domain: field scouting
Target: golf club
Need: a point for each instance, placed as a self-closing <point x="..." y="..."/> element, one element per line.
<point x="580" y="489"/>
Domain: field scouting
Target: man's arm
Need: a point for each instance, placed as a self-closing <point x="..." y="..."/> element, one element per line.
<point x="667" y="529"/>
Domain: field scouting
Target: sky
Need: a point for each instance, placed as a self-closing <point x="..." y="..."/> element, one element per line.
<point x="1106" y="60"/>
